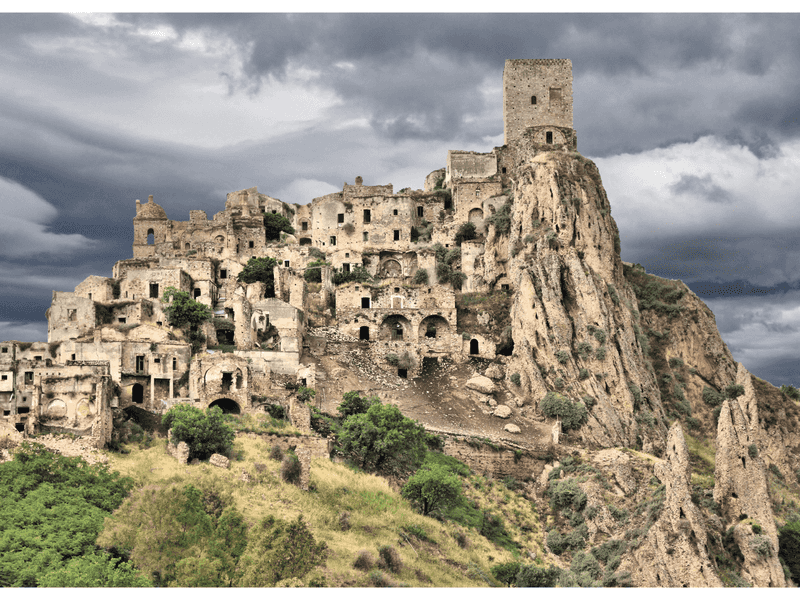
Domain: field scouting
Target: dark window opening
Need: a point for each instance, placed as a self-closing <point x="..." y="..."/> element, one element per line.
<point x="23" y="410"/>
<point x="396" y="235"/>
<point x="139" y="364"/>
<point x="504" y="287"/>
<point x="154" y="290"/>
<point x="402" y="373"/>
<point x="6" y="413"/>
<point x="5" y="349"/>
<point x="274" y="211"/>
<point x="28" y="377"/>
<point x="365" y="303"/>
<point x="286" y="263"/>
<point x="227" y="380"/>
<point x="138" y="393"/>
<point x="150" y="237"/>
<point x="431" y="331"/>
<point x="37" y="358"/>
<point x="555" y="94"/>
<point x="473" y="347"/>
<point x="346" y="267"/>
<point x="196" y="293"/>
<point x="5" y="377"/>
<point x="397" y="290"/>
<point x="228" y="406"/>
<point x="549" y="137"/>
<point x="366" y="236"/>
<point x="448" y="204"/>
<point x="305" y="241"/>
<point x="251" y="244"/>
<point x="304" y="225"/>
<point x="367" y="216"/>
<point x="420" y="211"/>
<point x="533" y="99"/>
<point x="397" y="333"/>
<point x="157" y="360"/>
<point x="159" y="323"/>
<point x="363" y="333"/>
<point x="121" y="319"/>
<point x="73" y="357"/>
<point x="174" y="364"/>
<point x="223" y="273"/>
<point x="340" y="218"/>
<point x="188" y="246"/>
<point x="395" y="212"/>
<point x="333" y="240"/>
<point x="504" y="169"/>
<point x="20" y="427"/>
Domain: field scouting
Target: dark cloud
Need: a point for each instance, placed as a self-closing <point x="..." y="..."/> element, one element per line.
<point x="701" y="186"/>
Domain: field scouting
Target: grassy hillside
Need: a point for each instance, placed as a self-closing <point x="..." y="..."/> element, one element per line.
<point x="357" y="513"/>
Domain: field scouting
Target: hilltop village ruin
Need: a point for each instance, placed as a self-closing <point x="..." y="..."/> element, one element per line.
<point x="110" y="345"/>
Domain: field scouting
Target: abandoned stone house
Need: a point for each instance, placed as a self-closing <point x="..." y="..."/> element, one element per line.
<point x="109" y="342"/>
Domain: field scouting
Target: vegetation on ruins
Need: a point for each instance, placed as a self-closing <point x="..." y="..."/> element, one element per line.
<point x="260" y="268"/>
<point x="420" y="277"/>
<point x="354" y="404"/>
<point x="572" y="413"/>
<point x="182" y="310"/>
<point x="501" y="219"/>
<point x="357" y="274"/>
<point x="465" y="232"/>
<point x="275" y="224"/>
<point x="313" y="272"/>
<point x="206" y="433"/>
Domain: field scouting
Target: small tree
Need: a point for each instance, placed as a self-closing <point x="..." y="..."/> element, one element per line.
<point x="572" y="414"/>
<point x="433" y="487"/>
<point x="313" y="272"/>
<point x="420" y="277"/>
<point x="260" y="268"/>
<point x="275" y="224"/>
<point x="354" y="404"/>
<point x="466" y="231"/>
<point x="789" y="547"/>
<point x="205" y="433"/>
<point x="183" y="310"/>
<point x="383" y="440"/>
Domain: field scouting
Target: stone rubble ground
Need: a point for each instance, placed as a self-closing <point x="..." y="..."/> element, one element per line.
<point x="66" y="446"/>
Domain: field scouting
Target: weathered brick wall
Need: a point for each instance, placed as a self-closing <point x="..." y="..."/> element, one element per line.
<point x="499" y="463"/>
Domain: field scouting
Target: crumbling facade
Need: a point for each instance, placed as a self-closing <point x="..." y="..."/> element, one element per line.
<point x="110" y="343"/>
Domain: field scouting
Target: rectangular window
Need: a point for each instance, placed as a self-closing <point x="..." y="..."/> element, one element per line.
<point x="90" y="296"/>
<point x="365" y="303"/>
<point x="154" y="290"/>
<point x="420" y="211"/>
<point x="5" y="377"/>
<point x="37" y="358"/>
<point x="367" y="216"/>
<point x="121" y="319"/>
<point x="227" y="380"/>
<point x="139" y="364"/>
<point x="304" y="225"/>
<point x="549" y="137"/>
<point x="73" y="357"/>
<point x="346" y="267"/>
<point x="366" y="236"/>
<point x="555" y="94"/>
<point x="5" y="349"/>
<point x="395" y="212"/>
<point x="28" y="377"/>
<point x="396" y="235"/>
<point x="340" y="218"/>
<point x="157" y="360"/>
<point x="174" y="364"/>
<point x="333" y="240"/>
<point x="251" y="244"/>
<point x="286" y="263"/>
<point x="223" y="274"/>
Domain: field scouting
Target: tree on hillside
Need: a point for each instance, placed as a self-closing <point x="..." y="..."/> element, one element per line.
<point x="275" y="224"/>
<point x="383" y="440"/>
<point x="433" y="487"/>
<point x="184" y="310"/>
<point x="789" y="547"/>
<point x="206" y="433"/>
<point x="260" y="268"/>
<point x="354" y="404"/>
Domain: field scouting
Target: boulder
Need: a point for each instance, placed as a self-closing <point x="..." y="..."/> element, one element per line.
<point x="511" y="428"/>
<point x="219" y="461"/>
<point x="494" y="372"/>
<point x="504" y="412"/>
<point x="481" y="384"/>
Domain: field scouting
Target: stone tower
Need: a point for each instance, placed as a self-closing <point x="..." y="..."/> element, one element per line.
<point x="537" y="93"/>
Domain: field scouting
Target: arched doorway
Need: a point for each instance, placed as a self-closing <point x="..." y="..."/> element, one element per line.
<point x="396" y="328"/>
<point x="392" y="268"/>
<point x="476" y="216"/>
<point x="433" y="326"/>
<point x="138" y="393"/>
<point x="473" y="347"/>
<point x="363" y="333"/>
<point x="151" y="235"/>
<point x="228" y="406"/>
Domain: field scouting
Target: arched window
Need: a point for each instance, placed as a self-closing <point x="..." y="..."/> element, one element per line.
<point x="187" y="246"/>
<point x="151" y="237"/>
<point x="473" y="347"/>
<point x="533" y="99"/>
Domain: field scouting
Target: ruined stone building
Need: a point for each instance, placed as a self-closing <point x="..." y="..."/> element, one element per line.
<point x="109" y="341"/>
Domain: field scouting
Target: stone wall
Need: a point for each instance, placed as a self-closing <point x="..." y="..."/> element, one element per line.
<point x="504" y="462"/>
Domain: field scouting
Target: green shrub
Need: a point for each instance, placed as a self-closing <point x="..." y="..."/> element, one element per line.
<point x="733" y="391"/>
<point x="752" y="450"/>
<point x="584" y="348"/>
<point x="600" y="336"/>
<point x="559" y="383"/>
<point x="305" y="394"/>
<point x="457" y="279"/>
<point x="790" y="392"/>
<point x="506" y="573"/>
<point x="675" y="362"/>
<point x="566" y="493"/>
<point x="420" y="277"/>
<point x="501" y="219"/>
<point x="515" y="379"/>
<point x="275" y="224"/>
<point x="393" y="359"/>
<point x="313" y="272"/>
<point x="205" y="433"/>
<point x="583" y="374"/>
<point x="364" y="561"/>
<point x="619" y="514"/>
<point x="756" y="528"/>
<point x="712" y="397"/>
<point x="789" y="547"/>
<point x="556" y="543"/>
<point x="572" y="414"/>
<point x="600" y="354"/>
<point x="353" y="404"/>
<point x="562" y="357"/>
<point x="776" y="471"/>
<point x="612" y="292"/>
<point x="184" y="311"/>
<point x="586" y="563"/>
<point x="290" y="468"/>
<point x="465" y="232"/>
<point x="276" y="453"/>
<point x="761" y="544"/>
<point x="533" y="576"/>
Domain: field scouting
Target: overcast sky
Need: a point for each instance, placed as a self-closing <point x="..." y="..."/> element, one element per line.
<point x="692" y="120"/>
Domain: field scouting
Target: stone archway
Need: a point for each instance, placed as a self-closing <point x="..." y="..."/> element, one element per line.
<point x="396" y="328"/>
<point x="433" y="326"/>
<point x="392" y="268"/>
<point x="476" y="216"/>
<point x="473" y="347"/>
<point x="137" y="393"/>
<point x="228" y="406"/>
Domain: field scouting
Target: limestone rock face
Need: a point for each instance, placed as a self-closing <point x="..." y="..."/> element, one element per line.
<point x="494" y="372"/>
<point x="481" y="384"/>
<point x="502" y="411"/>
<point x="674" y="552"/>
<point x="219" y="461"/>
<point x="741" y="489"/>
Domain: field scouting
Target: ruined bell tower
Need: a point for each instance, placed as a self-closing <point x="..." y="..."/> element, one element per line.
<point x="537" y="96"/>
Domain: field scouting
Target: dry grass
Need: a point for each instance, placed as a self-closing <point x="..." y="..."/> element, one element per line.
<point x="377" y="515"/>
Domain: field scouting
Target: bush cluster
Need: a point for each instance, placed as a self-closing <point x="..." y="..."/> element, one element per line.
<point x="572" y="414"/>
